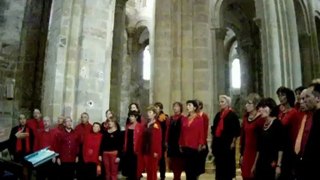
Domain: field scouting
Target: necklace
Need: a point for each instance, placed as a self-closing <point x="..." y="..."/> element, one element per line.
<point x="267" y="125"/>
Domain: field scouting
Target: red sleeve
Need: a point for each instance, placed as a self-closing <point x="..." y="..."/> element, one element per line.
<point x="181" y="138"/>
<point x="201" y="132"/>
<point x="157" y="138"/>
<point x="206" y="125"/>
<point x="58" y="142"/>
<point x="242" y="134"/>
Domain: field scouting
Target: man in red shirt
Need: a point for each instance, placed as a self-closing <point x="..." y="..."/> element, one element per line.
<point x="47" y="138"/>
<point x="36" y="124"/>
<point x="68" y="143"/>
<point x="82" y="129"/>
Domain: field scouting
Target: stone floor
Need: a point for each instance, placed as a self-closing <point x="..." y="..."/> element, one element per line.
<point x="169" y="176"/>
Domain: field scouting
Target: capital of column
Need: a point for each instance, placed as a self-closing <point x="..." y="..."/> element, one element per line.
<point x="131" y="31"/>
<point x="120" y="4"/>
<point x="220" y="32"/>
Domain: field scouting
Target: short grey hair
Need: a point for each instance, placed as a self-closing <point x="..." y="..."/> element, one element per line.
<point x="227" y="98"/>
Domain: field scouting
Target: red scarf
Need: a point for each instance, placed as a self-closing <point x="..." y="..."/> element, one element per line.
<point x="19" y="141"/>
<point x="220" y="126"/>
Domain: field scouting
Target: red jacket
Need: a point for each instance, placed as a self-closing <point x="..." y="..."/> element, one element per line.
<point x="47" y="139"/>
<point x="192" y="134"/>
<point x="291" y="120"/>
<point x="91" y="147"/>
<point x="156" y="146"/>
<point x="36" y="126"/>
<point x="205" y="118"/>
<point x="68" y="146"/>
<point x="83" y="130"/>
<point x="138" y="130"/>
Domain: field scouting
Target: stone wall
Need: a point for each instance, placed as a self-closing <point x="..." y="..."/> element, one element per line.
<point x="23" y="32"/>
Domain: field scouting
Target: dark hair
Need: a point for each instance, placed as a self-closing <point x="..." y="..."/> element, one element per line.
<point x="194" y="103"/>
<point x="316" y="89"/>
<point x="179" y="104"/>
<point x="269" y="102"/>
<point x="288" y="93"/>
<point x="299" y="89"/>
<point x="96" y="123"/>
<point x="136" y="104"/>
<point x="200" y="104"/>
<point x="133" y="113"/>
<point x="158" y="104"/>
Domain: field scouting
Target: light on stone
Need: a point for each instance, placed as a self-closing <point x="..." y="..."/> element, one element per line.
<point x="146" y="63"/>
<point x="236" y="74"/>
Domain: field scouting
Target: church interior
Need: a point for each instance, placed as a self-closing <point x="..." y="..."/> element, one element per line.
<point x="66" y="57"/>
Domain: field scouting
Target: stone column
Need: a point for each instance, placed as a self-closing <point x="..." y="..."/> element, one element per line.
<point x="314" y="36"/>
<point x="281" y="59"/>
<point x="181" y="64"/>
<point x="120" y="72"/>
<point x="218" y="66"/>
<point x="78" y="60"/>
<point x="161" y="70"/>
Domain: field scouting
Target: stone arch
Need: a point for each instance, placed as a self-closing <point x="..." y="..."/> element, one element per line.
<point x="304" y="39"/>
<point x="240" y="18"/>
<point x="217" y="18"/>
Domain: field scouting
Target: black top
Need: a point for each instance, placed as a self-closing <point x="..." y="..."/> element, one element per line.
<point x="111" y="142"/>
<point x="173" y="137"/>
<point x="130" y="141"/>
<point x="311" y="152"/>
<point x="270" y="142"/>
<point x="231" y="129"/>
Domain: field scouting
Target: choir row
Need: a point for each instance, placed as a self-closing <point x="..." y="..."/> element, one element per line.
<point x="276" y="141"/>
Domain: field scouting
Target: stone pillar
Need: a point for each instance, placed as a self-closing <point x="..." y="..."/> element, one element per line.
<point x="181" y="61"/>
<point x="120" y="72"/>
<point x="281" y="59"/>
<point x="161" y="71"/>
<point x="78" y="59"/>
<point x="218" y="66"/>
<point x="311" y="6"/>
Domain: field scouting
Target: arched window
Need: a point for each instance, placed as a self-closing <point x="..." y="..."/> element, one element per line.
<point x="146" y="64"/>
<point x="236" y="74"/>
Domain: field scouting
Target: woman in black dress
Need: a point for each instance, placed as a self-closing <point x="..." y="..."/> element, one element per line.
<point x="267" y="165"/>
<point x="176" y="161"/>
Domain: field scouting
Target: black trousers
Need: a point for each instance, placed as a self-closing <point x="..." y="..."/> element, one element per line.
<point x="90" y="171"/>
<point x="192" y="163"/>
<point x="162" y="165"/>
<point x="67" y="171"/>
<point x="129" y="166"/>
<point x="46" y="171"/>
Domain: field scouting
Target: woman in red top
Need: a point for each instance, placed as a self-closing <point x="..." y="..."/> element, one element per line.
<point x="192" y="140"/>
<point x="204" y="152"/>
<point x="90" y="151"/>
<point x="150" y="146"/>
<point x="251" y="123"/>
<point x="289" y="118"/>
<point x="133" y="133"/>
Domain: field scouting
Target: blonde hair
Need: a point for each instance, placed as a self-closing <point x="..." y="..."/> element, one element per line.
<point x="227" y="98"/>
<point x="152" y="108"/>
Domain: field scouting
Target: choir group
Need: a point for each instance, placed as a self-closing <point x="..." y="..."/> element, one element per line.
<point x="276" y="141"/>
